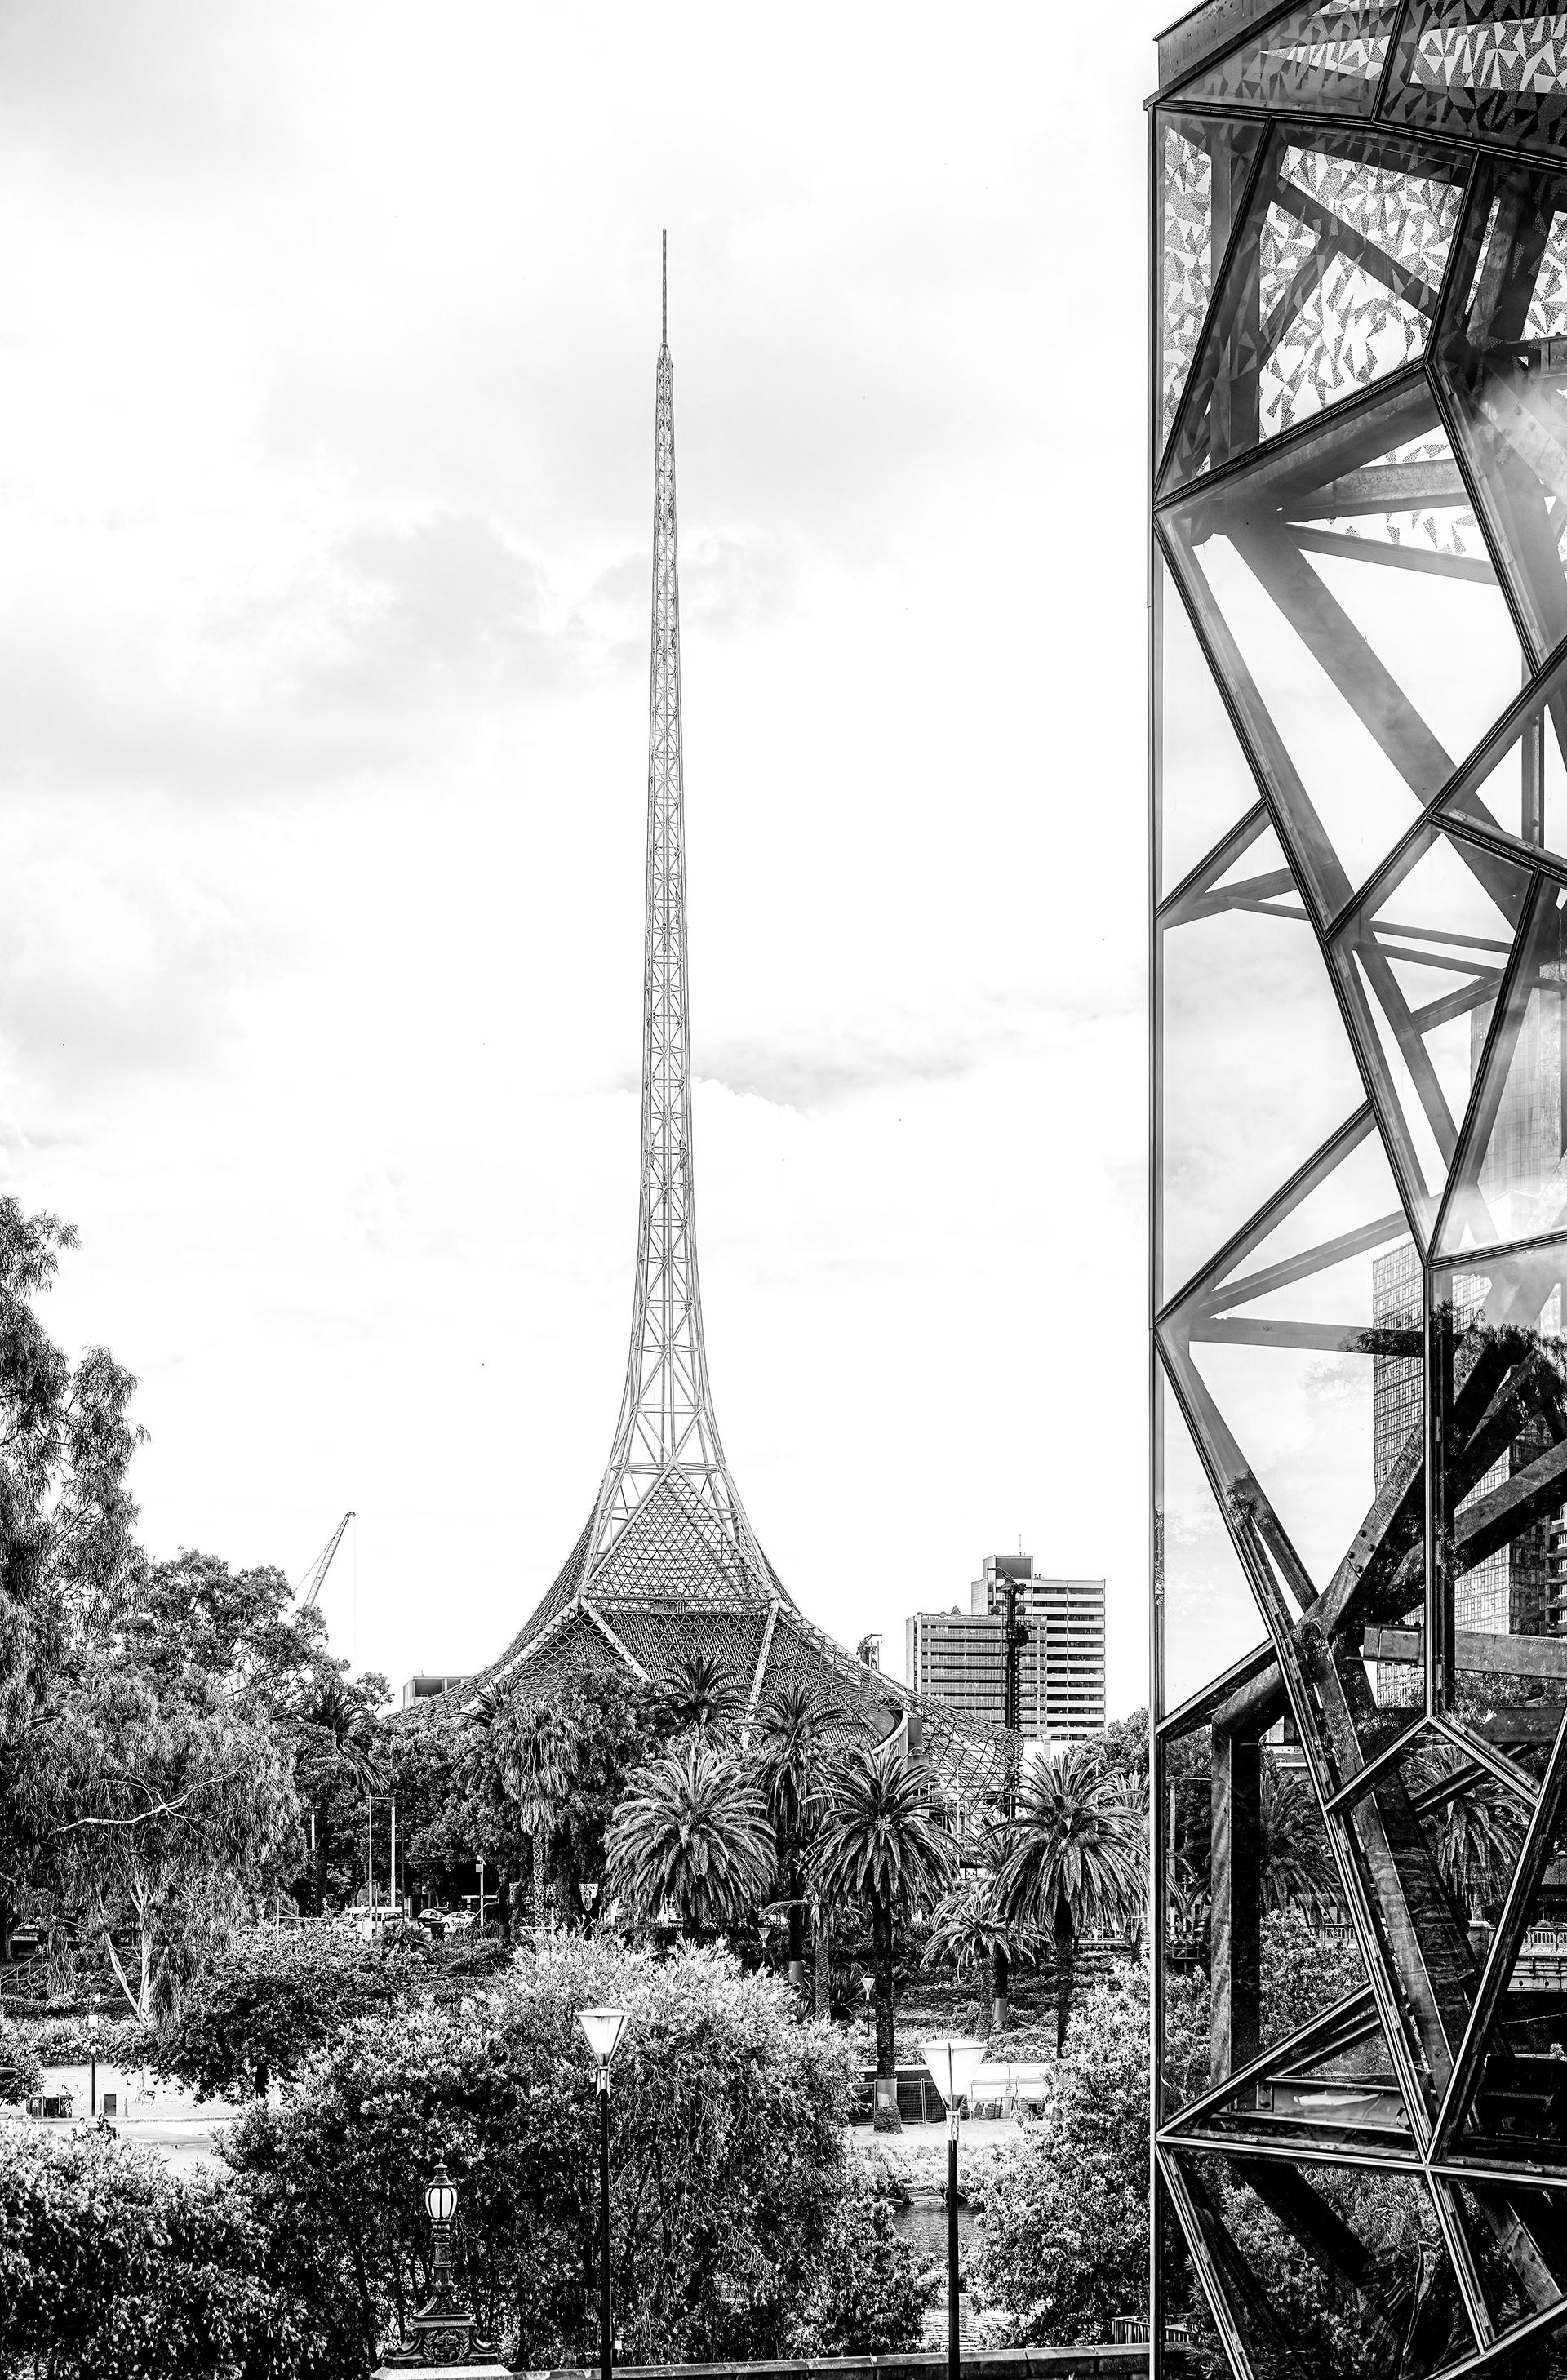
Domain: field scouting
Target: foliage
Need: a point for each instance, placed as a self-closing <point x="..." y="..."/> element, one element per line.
<point x="692" y="1831"/>
<point x="112" y="2270"/>
<point x="866" y="2299"/>
<point x="796" y="1754"/>
<point x="1303" y="1972"/>
<point x="1297" y="1867"/>
<point x="1072" y="1865"/>
<point x="65" y="2041"/>
<point x="729" y="2162"/>
<point x="703" y="1697"/>
<point x="267" y="2000"/>
<point x="966" y="1932"/>
<point x="19" y="2064"/>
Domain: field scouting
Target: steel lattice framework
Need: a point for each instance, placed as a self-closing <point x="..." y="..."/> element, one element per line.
<point x="1358" y="397"/>
<point x="668" y="1565"/>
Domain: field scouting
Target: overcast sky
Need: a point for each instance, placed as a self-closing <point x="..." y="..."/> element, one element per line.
<point x="327" y="349"/>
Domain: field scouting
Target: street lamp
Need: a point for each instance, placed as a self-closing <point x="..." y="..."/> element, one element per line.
<point x="953" y="2065"/>
<point x="590" y="1892"/>
<point x="445" y="2329"/>
<point x="603" y="2028"/>
<point x="94" y="2020"/>
<point x="868" y="1985"/>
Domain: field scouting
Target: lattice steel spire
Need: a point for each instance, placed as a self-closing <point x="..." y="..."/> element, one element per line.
<point x="667" y="1417"/>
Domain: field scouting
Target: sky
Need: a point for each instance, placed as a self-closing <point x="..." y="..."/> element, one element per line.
<point x="326" y="417"/>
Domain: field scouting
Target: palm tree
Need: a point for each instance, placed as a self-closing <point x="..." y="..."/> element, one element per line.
<point x="705" y="1697"/>
<point x="537" y="1752"/>
<point x="795" y="1755"/>
<point x="692" y="1832"/>
<point x="879" y="1845"/>
<point x="1476" y="1831"/>
<point x="350" y="1757"/>
<point x="1297" y="1867"/>
<point x="966" y="1932"/>
<point x="1072" y="1867"/>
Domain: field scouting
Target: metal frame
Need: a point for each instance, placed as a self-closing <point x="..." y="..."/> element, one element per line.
<point x="1383" y="335"/>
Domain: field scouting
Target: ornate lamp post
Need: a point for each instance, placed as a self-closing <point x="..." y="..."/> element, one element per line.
<point x="94" y="2020"/>
<point x="953" y="2065"/>
<point x="868" y="1985"/>
<point x="445" y="2329"/>
<point x="603" y="2028"/>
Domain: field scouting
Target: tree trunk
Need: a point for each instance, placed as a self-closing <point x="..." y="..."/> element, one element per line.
<point x="7" y="1926"/>
<point x="1065" y="1936"/>
<point x="823" y="1966"/>
<point x="797" y="1930"/>
<point x="539" y="1877"/>
<point x="1000" y="1982"/>
<point x="263" y="2077"/>
<point x="321" y="1806"/>
<point x="886" y="2061"/>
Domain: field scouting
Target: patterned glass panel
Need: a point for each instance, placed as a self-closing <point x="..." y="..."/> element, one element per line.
<point x="1202" y="170"/>
<point x="1329" y="56"/>
<point x="1332" y="286"/>
<point x="1487" y="70"/>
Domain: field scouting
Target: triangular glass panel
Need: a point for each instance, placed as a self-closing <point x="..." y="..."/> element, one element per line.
<point x="1205" y="786"/>
<point x="1202" y="178"/>
<point x="1210" y="1617"/>
<point x="1518" y="2239"/>
<point x="1256" y="1071"/>
<point x="1484" y="71"/>
<point x="1522" y="793"/>
<point x="1421" y="963"/>
<point x="1344" y="2091"/>
<point x="1511" y="1183"/>
<point x="1332" y="286"/>
<point x="1329" y="56"/>
<point x="1498" y="1339"/>
<point x="1519" y="2108"/>
<point x="1320" y="2277"/>
<point x="1187" y="2321"/>
<point x="1335" y="583"/>
<point x="1301" y="1348"/>
<point x="1502" y="358"/>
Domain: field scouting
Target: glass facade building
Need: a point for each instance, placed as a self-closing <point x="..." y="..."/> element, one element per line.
<point x="1358" y="590"/>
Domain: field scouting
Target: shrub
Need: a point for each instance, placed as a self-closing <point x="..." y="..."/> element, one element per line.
<point x="268" y="2001"/>
<point x="731" y="2186"/>
<point x="867" y="2297"/>
<point x="65" y="2041"/>
<point x="19" y="2065"/>
<point x="112" y="2270"/>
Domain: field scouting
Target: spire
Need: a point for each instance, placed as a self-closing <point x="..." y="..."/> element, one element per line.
<point x="666" y="1424"/>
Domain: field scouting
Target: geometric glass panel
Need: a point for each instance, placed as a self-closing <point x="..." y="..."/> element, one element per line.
<point x="1205" y="785"/>
<point x="1256" y="1072"/>
<point x="1334" y="582"/>
<point x="1511" y="1182"/>
<point x="1421" y="963"/>
<point x="1332" y="286"/>
<point x="1483" y="71"/>
<point x="1523" y="794"/>
<point x="1203" y="170"/>
<point x="1519" y="2239"/>
<point x="1519" y="2107"/>
<point x="1211" y="1619"/>
<point x="1502" y="360"/>
<point x="1330" y="56"/>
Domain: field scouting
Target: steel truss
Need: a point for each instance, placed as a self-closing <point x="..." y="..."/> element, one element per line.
<point x="668" y="1564"/>
<point x="1358" y="558"/>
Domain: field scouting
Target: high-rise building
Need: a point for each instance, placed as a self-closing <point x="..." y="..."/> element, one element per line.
<point x="958" y="1657"/>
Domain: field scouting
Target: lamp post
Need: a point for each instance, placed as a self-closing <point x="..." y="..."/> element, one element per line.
<point x="445" y="2329"/>
<point x="94" y="2020"/>
<point x="481" y="1893"/>
<point x="589" y="1892"/>
<point x="953" y="2064"/>
<point x="868" y="1985"/>
<point x="603" y="2028"/>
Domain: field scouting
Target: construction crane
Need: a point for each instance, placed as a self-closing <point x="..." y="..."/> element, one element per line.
<point x="315" y="1577"/>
